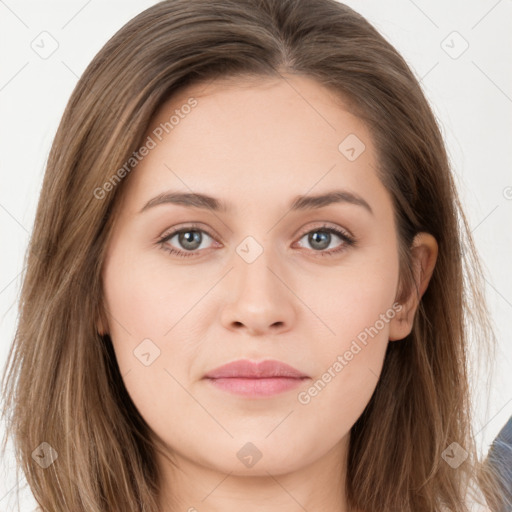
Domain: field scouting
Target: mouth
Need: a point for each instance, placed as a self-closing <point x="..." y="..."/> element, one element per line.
<point x="253" y="379"/>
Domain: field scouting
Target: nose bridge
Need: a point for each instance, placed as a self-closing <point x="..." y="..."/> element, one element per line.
<point x="259" y="300"/>
<point x="252" y="267"/>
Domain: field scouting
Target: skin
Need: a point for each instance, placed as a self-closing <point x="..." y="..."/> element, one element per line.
<point x="256" y="145"/>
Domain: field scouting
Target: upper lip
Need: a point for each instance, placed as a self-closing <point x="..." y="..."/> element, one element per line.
<point x="244" y="368"/>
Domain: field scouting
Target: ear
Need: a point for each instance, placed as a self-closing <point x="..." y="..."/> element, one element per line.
<point x="424" y="251"/>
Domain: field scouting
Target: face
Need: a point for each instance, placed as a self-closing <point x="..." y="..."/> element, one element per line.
<point x="264" y="272"/>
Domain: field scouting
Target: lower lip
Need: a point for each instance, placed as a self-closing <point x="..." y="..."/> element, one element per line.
<point x="252" y="388"/>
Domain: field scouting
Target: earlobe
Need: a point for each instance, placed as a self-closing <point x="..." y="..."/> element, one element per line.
<point x="424" y="250"/>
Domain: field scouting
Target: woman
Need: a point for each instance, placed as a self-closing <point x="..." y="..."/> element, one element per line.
<point x="248" y="278"/>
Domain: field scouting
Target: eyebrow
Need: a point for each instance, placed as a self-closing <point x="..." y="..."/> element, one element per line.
<point x="306" y="202"/>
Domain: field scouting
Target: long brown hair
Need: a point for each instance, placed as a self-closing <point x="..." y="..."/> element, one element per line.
<point x="62" y="383"/>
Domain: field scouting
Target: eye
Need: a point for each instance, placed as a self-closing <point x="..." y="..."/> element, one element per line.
<point x="190" y="239"/>
<point x="320" y="239"/>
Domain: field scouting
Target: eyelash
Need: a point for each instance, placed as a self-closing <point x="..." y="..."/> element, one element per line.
<point x="348" y="240"/>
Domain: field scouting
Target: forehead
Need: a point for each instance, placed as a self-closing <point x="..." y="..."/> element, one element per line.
<point x="254" y="137"/>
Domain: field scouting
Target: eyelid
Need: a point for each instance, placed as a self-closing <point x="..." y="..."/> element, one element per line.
<point x="192" y="226"/>
<point x="327" y="225"/>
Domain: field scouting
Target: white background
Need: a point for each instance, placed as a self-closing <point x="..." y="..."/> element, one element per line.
<point x="471" y="95"/>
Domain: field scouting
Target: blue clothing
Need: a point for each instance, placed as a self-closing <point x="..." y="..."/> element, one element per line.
<point x="500" y="457"/>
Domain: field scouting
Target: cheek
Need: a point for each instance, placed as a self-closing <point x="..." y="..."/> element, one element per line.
<point x="356" y="297"/>
<point x="349" y="362"/>
<point x="137" y="296"/>
<point x="137" y="321"/>
<point x="147" y="305"/>
<point x="357" y="307"/>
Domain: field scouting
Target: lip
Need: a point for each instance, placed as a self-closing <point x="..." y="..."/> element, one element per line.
<point x="246" y="369"/>
<point x="255" y="379"/>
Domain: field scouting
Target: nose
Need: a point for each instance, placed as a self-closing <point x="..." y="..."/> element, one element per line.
<point x="259" y="297"/>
